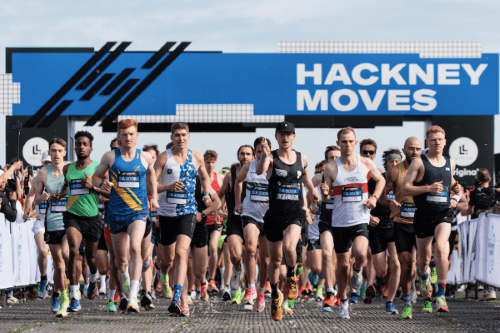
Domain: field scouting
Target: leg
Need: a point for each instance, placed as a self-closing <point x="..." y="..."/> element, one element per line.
<point x="147" y="263"/>
<point x="291" y="236"/>
<point x="235" y="243"/>
<point x="214" y="251"/>
<point x="42" y="248"/>
<point x="395" y="271"/>
<point x="228" y="271"/>
<point x="343" y="261"/>
<point x="74" y="263"/>
<point x="251" y="234"/>
<point x="275" y="256"/>
<point x="327" y="260"/>
<point x="102" y="262"/>
<point x="424" y="249"/>
<point x="263" y="261"/>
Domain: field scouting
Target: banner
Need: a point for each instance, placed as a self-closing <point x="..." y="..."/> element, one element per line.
<point x="6" y="266"/>
<point x="488" y="250"/>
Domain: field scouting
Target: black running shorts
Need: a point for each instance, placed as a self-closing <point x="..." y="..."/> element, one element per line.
<point x="173" y="226"/>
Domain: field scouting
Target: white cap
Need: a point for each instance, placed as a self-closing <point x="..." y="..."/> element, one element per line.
<point x="45" y="157"/>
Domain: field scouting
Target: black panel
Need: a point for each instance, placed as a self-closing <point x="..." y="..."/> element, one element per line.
<point x="193" y="127"/>
<point x="344" y="121"/>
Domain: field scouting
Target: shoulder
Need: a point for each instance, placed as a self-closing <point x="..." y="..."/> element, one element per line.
<point x="66" y="167"/>
<point x="197" y="155"/>
<point x="393" y="172"/>
<point x="418" y="162"/>
<point x="146" y="155"/>
<point x="452" y="164"/>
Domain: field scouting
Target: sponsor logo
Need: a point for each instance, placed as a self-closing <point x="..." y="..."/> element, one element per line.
<point x="463" y="151"/>
<point x="299" y="173"/>
<point x="32" y="150"/>
<point x="281" y="173"/>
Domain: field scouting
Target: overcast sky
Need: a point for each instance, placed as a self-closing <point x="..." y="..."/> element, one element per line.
<point x="247" y="26"/>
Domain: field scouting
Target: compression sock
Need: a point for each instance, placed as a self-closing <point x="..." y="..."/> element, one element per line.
<point x="290" y="271"/>
<point x="441" y="288"/>
<point x="274" y="290"/>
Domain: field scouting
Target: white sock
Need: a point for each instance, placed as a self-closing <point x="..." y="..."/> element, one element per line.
<point x="111" y="295"/>
<point x="75" y="291"/>
<point x="251" y="285"/>
<point x="261" y="290"/>
<point x="93" y="277"/>
<point x="134" y="288"/>
<point x="125" y="276"/>
<point x="103" y="282"/>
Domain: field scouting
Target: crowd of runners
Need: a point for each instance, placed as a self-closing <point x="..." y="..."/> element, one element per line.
<point x="142" y="224"/>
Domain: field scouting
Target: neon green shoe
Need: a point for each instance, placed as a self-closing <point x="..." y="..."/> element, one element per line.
<point x="126" y="287"/>
<point x="425" y="285"/>
<point x="238" y="296"/>
<point x="320" y="296"/>
<point x="441" y="304"/>
<point x="63" y="310"/>
<point x="434" y="275"/>
<point x="285" y="308"/>
<point x="407" y="313"/>
<point x="299" y="270"/>
<point x="165" y="287"/>
<point x="427" y="306"/>
<point x="110" y="306"/>
<point x="291" y="303"/>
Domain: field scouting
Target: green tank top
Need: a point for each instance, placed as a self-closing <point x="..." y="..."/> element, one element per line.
<point x="81" y="201"/>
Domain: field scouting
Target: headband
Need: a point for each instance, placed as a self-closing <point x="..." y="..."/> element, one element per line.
<point x="392" y="156"/>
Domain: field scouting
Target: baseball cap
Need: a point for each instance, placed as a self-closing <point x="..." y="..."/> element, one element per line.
<point x="45" y="157"/>
<point x="286" y="127"/>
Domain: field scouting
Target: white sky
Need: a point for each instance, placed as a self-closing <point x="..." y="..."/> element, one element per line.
<point x="246" y="26"/>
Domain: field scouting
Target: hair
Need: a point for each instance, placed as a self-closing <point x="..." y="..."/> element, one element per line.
<point x="367" y="142"/>
<point x="13" y="160"/>
<point x="329" y="149"/>
<point x="245" y="146"/>
<point x="391" y="151"/>
<point x="484" y="175"/>
<point x="111" y="143"/>
<point x="178" y="125"/>
<point x="126" y="123"/>
<point x="259" y="140"/>
<point x="170" y="145"/>
<point x="345" y="130"/>
<point x="151" y="147"/>
<point x="210" y="154"/>
<point x="59" y="141"/>
<point x="320" y="164"/>
<point x="85" y="134"/>
<point x="434" y="129"/>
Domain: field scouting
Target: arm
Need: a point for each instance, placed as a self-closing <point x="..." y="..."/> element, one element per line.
<point x="98" y="178"/>
<point x="39" y="186"/>
<point x="204" y="178"/>
<point x="212" y="209"/>
<point x="151" y="180"/>
<point x="384" y="200"/>
<point x="378" y="178"/>
<point x="407" y="188"/>
<point x="309" y="219"/>
<point x="225" y="187"/>
<point x="6" y="175"/>
<point x="463" y="205"/>
<point x="266" y="159"/>
<point x="30" y="198"/>
<point x="306" y="179"/>
<point x="326" y="187"/>
<point x="238" y="187"/>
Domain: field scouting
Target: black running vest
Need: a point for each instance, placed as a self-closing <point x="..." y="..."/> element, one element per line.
<point x="230" y="201"/>
<point x="430" y="203"/>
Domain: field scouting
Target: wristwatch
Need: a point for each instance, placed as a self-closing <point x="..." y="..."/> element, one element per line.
<point x="203" y="215"/>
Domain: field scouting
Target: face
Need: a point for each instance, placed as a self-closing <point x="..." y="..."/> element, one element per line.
<point x="210" y="164"/>
<point x="412" y="149"/>
<point x="369" y="151"/>
<point x="153" y="154"/>
<point x="258" y="151"/>
<point x="390" y="163"/>
<point x="436" y="142"/>
<point x="285" y="139"/>
<point x="332" y="155"/>
<point x="128" y="137"/>
<point x="347" y="142"/>
<point x="245" y="155"/>
<point x="57" y="153"/>
<point x="82" y="148"/>
<point x="114" y="145"/>
<point x="321" y="169"/>
<point x="180" y="138"/>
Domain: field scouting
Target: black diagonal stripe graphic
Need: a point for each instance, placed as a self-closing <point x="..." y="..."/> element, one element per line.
<point x="96" y="87"/>
<point x="158" y="55"/>
<point x="111" y="102"/>
<point x="144" y="84"/>
<point x="54" y="114"/>
<point x="68" y="85"/>
<point x="117" y="81"/>
<point x="102" y="66"/>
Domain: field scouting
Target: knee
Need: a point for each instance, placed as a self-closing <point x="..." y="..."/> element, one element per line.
<point x="74" y="251"/>
<point x="327" y="257"/>
<point x="251" y="249"/>
<point x="180" y="253"/>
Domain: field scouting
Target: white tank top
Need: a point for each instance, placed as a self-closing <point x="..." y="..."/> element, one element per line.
<point x="350" y="190"/>
<point x="313" y="229"/>
<point x="256" y="202"/>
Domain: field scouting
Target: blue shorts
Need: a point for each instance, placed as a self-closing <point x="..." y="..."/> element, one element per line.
<point x="120" y="223"/>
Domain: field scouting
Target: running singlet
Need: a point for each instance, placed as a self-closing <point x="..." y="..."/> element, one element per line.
<point x="405" y="213"/>
<point x="81" y="201"/>
<point x="285" y="186"/>
<point x="256" y="200"/>
<point x="429" y="204"/>
<point x="182" y="202"/>
<point x="382" y="212"/>
<point x="350" y="190"/>
<point x="325" y="211"/>
<point x="54" y="216"/>
<point x="230" y="201"/>
<point x="216" y="187"/>
<point x="128" y="194"/>
<point x="313" y="229"/>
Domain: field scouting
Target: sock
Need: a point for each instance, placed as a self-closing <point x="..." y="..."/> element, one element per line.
<point x="424" y="276"/>
<point x="198" y="290"/>
<point x="55" y="295"/>
<point x="75" y="291"/>
<point x="251" y="285"/>
<point x="203" y="283"/>
<point x="441" y="288"/>
<point x="274" y="290"/>
<point x="432" y="264"/>
<point x="261" y="290"/>
<point x="93" y="277"/>
<point x="164" y="278"/>
<point x="328" y="293"/>
<point x="222" y="269"/>
<point x="64" y="296"/>
<point x="332" y="291"/>
<point x="134" y="288"/>
<point x="44" y="278"/>
<point x="407" y="299"/>
<point x="122" y="294"/>
<point x="378" y="282"/>
<point x="103" y="281"/>
<point x="290" y="271"/>
<point x="111" y="295"/>
<point x="125" y="276"/>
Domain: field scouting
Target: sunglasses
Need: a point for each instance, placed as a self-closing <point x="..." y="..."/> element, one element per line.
<point x="366" y="152"/>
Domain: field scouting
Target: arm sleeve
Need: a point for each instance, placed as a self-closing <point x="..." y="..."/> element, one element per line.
<point x="8" y="208"/>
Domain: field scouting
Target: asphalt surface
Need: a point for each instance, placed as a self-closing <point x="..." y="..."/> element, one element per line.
<point x="218" y="316"/>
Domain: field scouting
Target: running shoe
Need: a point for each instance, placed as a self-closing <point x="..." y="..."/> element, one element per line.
<point x="126" y="286"/>
<point x="133" y="306"/>
<point x="425" y="286"/>
<point x="313" y="278"/>
<point x="370" y="294"/>
<point x="226" y="294"/>
<point x="212" y="287"/>
<point x="184" y="310"/>
<point x="122" y="307"/>
<point x="147" y="301"/>
<point x="489" y="296"/>
<point x="292" y="287"/>
<point x="63" y="310"/>
<point x="389" y="308"/>
<point x="203" y="293"/>
<point x="354" y="298"/>
<point x="93" y="291"/>
<point x="441" y="304"/>
<point x="356" y="280"/>
<point x="85" y="290"/>
<point x="434" y="275"/>
<point x="74" y="305"/>
<point x="427" y="306"/>
<point x="362" y="292"/>
<point x="102" y="289"/>
<point x="267" y="291"/>
<point x="175" y="306"/>
<point x="12" y="300"/>
<point x="407" y="313"/>
<point x="285" y="308"/>
<point x="319" y="293"/>
<point x="291" y="303"/>
<point x="276" y="310"/>
<point x="189" y="300"/>
<point x="55" y="304"/>
<point x="166" y="291"/>
<point x="260" y="305"/>
<point x="238" y="296"/>
<point x="299" y="270"/>
<point x="41" y="290"/>
<point x="329" y="303"/>
<point x="158" y="287"/>
<point x="385" y="291"/>
<point x="116" y="298"/>
<point x="344" y="310"/>
<point x="110" y="306"/>
<point x="250" y="296"/>
<point x="304" y="292"/>
<point x="235" y="280"/>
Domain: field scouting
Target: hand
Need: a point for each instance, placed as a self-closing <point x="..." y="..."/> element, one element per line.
<point x="223" y="214"/>
<point x="394" y="204"/>
<point x="207" y="199"/>
<point x="314" y="209"/>
<point x="238" y="208"/>
<point x="453" y="203"/>
<point x="175" y="186"/>
<point x="154" y="205"/>
<point x="370" y="203"/>
<point x="374" y="221"/>
<point x="266" y="150"/>
<point x="26" y="216"/>
<point x="309" y="219"/>
<point x="56" y="197"/>
<point x="87" y="182"/>
<point x="106" y="185"/>
<point x="45" y="196"/>
<point x="456" y="188"/>
<point x="315" y="196"/>
<point x="436" y="188"/>
<point x="324" y="189"/>
<point x="18" y="165"/>
<point x="217" y="221"/>
<point x="198" y="217"/>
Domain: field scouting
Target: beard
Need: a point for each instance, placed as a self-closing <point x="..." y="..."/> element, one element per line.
<point x="82" y="157"/>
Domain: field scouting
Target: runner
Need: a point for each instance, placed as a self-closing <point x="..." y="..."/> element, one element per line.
<point x="177" y="169"/>
<point x="347" y="178"/>
<point x="286" y="170"/>
<point x="252" y="212"/>
<point x="430" y="180"/>
<point x="128" y="204"/>
<point x="49" y="182"/>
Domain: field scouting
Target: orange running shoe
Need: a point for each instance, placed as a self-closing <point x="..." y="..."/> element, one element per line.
<point x="212" y="287"/>
<point x="116" y="298"/>
<point x="133" y="306"/>
<point x="385" y="291"/>
<point x="329" y="302"/>
<point x="267" y="289"/>
<point x="203" y="293"/>
<point x="292" y="287"/>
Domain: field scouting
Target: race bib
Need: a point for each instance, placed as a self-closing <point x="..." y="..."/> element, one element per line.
<point x="59" y="206"/>
<point x="352" y="194"/>
<point x="153" y="217"/>
<point x="289" y="192"/>
<point x="178" y="198"/>
<point x="76" y="188"/>
<point x="130" y="179"/>
<point x="408" y="210"/>
<point x="318" y="213"/>
<point x="43" y="207"/>
<point x="259" y="193"/>
<point x="391" y="196"/>
<point x="440" y="198"/>
<point x="329" y="204"/>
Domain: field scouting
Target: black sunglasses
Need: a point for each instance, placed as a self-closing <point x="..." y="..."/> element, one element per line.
<point x="366" y="152"/>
